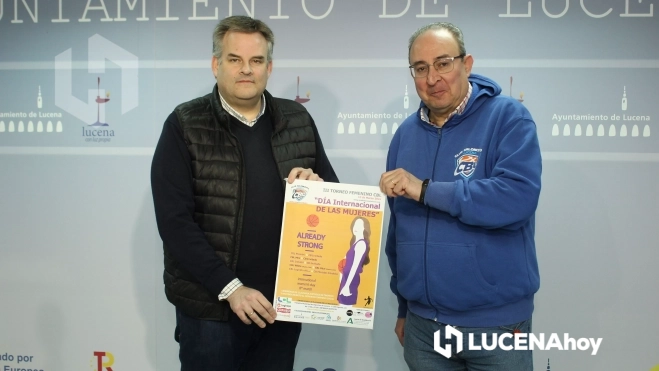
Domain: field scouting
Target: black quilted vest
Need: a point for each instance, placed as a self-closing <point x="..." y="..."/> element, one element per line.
<point x="219" y="185"/>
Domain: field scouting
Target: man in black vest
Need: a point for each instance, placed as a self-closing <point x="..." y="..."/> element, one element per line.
<point x="218" y="187"/>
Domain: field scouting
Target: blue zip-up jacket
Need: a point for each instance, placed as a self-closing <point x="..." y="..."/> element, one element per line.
<point x="466" y="257"/>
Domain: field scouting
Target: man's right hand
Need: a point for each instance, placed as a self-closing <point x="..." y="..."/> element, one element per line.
<point x="400" y="330"/>
<point x="251" y="306"/>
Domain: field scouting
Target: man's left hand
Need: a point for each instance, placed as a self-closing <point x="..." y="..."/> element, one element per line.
<point x="303" y="174"/>
<point x="399" y="182"/>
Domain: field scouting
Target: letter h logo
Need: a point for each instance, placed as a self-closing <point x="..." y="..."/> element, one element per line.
<point x="446" y="350"/>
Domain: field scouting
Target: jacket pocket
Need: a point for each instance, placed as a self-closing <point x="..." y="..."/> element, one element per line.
<point x="409" y="272"/>
<point x="455" y="280"/>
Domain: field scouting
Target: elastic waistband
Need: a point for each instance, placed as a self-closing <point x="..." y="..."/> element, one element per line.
<point x="481" y="317"/>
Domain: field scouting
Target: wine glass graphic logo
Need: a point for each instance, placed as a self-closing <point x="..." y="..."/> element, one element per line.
<point x="297" y="97"/>
<point x="100" y="101"/>
<point x="521" y="94"/>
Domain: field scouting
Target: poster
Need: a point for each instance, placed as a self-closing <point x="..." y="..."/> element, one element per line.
<point x="329" y="254"/>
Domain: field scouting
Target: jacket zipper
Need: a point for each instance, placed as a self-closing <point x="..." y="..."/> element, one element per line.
<point x="425" y="242"/>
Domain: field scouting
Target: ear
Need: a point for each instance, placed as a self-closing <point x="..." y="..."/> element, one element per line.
<point x="269" y="68"/>
<point x="468" y="63"/>
<point x="215" y="62"/>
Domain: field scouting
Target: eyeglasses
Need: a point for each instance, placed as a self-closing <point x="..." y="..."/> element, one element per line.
<point x="442" y="65"/>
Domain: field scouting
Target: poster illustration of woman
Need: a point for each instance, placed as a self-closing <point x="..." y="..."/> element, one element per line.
<point x="354" y="261"/>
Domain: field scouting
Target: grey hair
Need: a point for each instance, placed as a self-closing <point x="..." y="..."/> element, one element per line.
<point x="450" y="27"/>
<point x="241" y="23"/>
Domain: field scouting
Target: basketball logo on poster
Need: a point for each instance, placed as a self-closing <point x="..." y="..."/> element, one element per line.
<point x="299" y="192"/>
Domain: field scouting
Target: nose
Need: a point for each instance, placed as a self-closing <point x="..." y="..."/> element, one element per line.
<point x="245" y="68"/>
<point x="433" y="77"/>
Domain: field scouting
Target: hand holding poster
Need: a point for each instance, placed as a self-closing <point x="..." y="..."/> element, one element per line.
<point x="329" y="254"/>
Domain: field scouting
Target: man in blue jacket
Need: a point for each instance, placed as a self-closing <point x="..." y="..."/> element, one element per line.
<point x="463" y="180"/>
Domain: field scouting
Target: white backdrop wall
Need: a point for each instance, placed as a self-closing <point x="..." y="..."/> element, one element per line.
<point x="81" y="260"/>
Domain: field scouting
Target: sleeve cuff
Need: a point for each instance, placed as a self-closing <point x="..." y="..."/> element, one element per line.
<point x="218" y="279"/>
<point x="440" y="195"/>
<point x="229" y="289"/>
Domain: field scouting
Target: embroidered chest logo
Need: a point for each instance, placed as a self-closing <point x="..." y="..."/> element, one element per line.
<point x="466" y="161"/>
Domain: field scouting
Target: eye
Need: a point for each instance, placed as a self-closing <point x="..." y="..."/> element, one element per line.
<point x="420" y="69"/>
<point x="442" y="64"/>
<point x="233" y="60"/>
